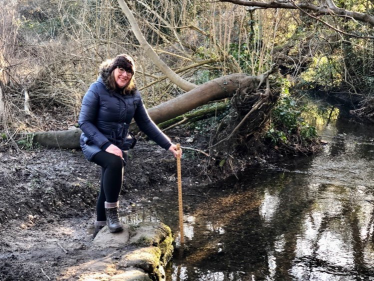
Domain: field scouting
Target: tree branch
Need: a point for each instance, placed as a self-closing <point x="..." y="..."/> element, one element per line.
<point x="148" y="50"/>
<point x="330" y="26"/>
<point x="182" y="70"/>
<point x="167" y="24"/>
<point x="329" y="9"/>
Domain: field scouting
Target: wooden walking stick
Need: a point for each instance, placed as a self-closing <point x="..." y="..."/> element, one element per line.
<point x="180" y="201"/>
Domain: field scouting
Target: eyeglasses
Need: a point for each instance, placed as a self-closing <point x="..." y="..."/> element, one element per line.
<point x="123" y="70"/>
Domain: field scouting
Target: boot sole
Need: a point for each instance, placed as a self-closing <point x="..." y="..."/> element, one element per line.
<point x="119" y="229"/>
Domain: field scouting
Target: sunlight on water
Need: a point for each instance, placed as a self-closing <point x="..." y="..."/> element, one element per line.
<point x="210" y="226"/>
<point x="188" y="226"/>
<point x="269" y="206"/>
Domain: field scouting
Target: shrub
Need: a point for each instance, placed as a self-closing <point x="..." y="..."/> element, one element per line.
<point x="287" y="124"/>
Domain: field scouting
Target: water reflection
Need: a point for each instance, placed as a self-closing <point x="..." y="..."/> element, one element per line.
<point x="306" y="219"/>
<point x="324" y="232"/>
<point x="269" y="205"/>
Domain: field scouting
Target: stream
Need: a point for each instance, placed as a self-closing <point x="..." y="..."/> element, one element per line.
<point x="307" y="218"/>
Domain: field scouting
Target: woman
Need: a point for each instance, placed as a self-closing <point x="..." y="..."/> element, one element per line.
<point x="107" y="110"/>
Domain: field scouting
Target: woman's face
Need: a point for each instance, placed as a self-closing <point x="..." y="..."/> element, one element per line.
<point x="122" y="77"/>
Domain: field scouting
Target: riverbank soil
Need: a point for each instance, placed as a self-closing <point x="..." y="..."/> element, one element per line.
<point x="48" y="199"/>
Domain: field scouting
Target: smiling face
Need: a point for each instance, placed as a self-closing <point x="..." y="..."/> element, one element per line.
<point x="122" y="77"/>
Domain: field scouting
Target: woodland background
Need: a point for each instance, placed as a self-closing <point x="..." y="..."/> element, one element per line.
<point x="50" y="52"/>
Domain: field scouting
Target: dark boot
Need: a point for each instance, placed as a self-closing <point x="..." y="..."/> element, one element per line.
<point x="112" y="220"/>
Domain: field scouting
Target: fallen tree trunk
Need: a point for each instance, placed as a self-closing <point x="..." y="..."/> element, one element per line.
<point x="58" y="139"/>
<point x="217" y="89"/>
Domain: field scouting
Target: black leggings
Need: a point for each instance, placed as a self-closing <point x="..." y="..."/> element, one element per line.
<point x="111" y="180"/>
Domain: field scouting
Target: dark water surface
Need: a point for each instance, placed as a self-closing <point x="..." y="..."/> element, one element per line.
<point x="311" y="218"/>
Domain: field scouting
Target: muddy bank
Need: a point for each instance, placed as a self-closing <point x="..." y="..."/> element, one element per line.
<point x="48" y="199"/>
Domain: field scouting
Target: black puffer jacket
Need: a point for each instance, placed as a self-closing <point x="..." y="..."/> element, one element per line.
<point x="105" y="117"/>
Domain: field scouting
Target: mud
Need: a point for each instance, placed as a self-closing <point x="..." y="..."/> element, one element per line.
<point x="48" y="199"/>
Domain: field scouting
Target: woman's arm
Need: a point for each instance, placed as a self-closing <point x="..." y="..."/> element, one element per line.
<point x="149" y="127"/>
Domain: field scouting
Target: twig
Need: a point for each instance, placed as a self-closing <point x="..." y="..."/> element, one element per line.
<point x="45" y="274"/>
<point x="206" y="154"/>
<point x="197" y="195"/>
<point x="62" y="248"/>
<point x="263" y="77"/>
<point x="180" y="70"/>
<point x="176" y="124"/>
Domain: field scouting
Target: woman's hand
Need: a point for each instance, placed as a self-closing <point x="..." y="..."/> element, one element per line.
<point x="114" y="150"/>
<point x="176" y="152"/>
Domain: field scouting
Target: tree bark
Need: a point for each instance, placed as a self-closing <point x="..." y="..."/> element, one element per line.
<point x="27" y="102"/>
<point x="2" y="107"/>
<point x="58" y="139"/>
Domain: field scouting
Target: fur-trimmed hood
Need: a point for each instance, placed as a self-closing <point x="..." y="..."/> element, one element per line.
<point x="104" y="72"/>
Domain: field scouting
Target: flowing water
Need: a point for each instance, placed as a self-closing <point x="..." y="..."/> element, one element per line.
<point x="311" y="218"/>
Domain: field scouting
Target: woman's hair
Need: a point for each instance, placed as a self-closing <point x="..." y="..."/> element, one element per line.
<point x="107" y="73"/>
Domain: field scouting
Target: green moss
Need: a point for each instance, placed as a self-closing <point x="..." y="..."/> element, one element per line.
<point x="167" y="249"/>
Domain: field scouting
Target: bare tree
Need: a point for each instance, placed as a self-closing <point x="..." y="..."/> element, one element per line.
<point x="149" y="52"/>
